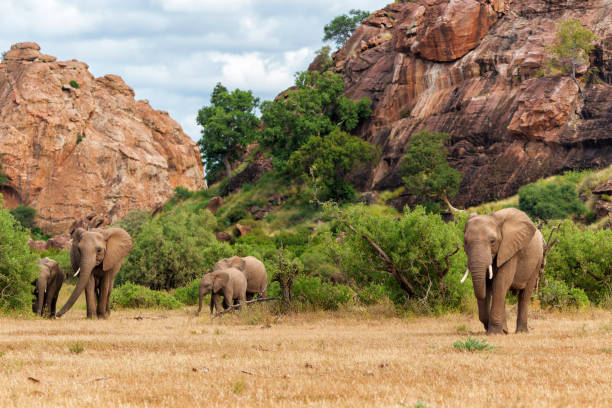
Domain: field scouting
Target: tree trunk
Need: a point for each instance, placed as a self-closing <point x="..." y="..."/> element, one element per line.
<point x="228" y="168"/>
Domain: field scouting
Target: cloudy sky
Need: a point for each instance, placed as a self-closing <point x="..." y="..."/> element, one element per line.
<point x="173" y="52"/>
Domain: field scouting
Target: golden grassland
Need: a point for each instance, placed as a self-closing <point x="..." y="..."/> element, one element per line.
<point x="359" y="357"/>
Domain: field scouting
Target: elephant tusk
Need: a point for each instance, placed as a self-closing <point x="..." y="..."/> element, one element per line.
<point x="77" y="272"/>
<point x="490" y="271"/>
<point x="467" y="272"/>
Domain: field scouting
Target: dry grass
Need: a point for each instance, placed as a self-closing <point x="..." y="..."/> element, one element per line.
<point x="310" y="359"/>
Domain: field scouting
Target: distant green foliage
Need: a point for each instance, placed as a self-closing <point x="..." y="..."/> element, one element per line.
<point x="24" y="215"/>
<point x="555" y="293"/>
<point x="134" y="221"/>
<point x="324" y="59"/>
<point x="228" y="125"/>
<point x="418" y="243"/>
<point x="550" y="201"/>
<point x="74" y="84"/>
<point x="17" y="265"/>
<point x="316" y="294"/>
<point x="315" y="108"/>
<point x="325" y="162"/>
<point x="188" y="295"/>
<point x="472" y="344"/>
<point x="342" y="27"/>
<point x="172" y="250"/>
<point x="581" y="259"/>
<point x="425" y="169"/>
<point x="79" y="139"/>
<point x="133" y="296"/>
<point x="3" y="177"/>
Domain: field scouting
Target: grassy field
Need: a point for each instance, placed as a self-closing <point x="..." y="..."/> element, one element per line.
<point x="352" y="358"/>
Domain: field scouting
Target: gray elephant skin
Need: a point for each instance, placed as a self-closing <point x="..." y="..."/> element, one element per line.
<point x="47" y="287"/>
<point x="505" y="252"/>
<point x="97" y="255"/>
<point x="229" y="283"/>
<point x="253" y="270"/>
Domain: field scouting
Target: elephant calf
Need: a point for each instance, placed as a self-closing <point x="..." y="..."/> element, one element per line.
<point x="254" y="271"/>
<point x="47" y="287"/>
<point x="229" y="283"/>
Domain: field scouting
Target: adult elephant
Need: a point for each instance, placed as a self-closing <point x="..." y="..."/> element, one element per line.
<point x="254" y="271"/>
<point x="47" y="287"/>
<point x="97" y="254"/>
<point x="504" y="251"/>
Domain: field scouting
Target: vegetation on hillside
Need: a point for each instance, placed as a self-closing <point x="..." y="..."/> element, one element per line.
<point x="342" y="27"/>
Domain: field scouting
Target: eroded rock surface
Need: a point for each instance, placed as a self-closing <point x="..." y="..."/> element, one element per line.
<point x="73" y="145"/>
<point x="468" y="67"/>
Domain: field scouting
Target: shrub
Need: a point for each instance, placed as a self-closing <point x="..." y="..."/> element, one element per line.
<point x="181" y="193"/>
<point x="173" y="250"/>
<point x="188" y="295"/>
<point x="557" y="294"/>
<point x="17" y="265"/>
<point x="312" y="292"/>
<point x="74" y="84"/>
<point x="472" y="344"/>
<point x="373" y="294"/>
<point x="135" y="296"/>
<point x="582" y="260"/>
<point x="24" y="215"/>
<point x="134" y="221"/>
<point x="551" y="201"/>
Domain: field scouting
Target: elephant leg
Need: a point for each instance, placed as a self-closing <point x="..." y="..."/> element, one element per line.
<point x="497" y="317"/>
<point x="249" y="296"/>
<point x="54" y="303"/>
<point x="90" y="296"/>
<point x="105" y="284"/>
<point x="484" y="306"/>
<point x="217" y="301"/>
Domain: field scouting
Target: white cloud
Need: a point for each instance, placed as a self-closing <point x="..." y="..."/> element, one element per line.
<point x="199" y="6"/>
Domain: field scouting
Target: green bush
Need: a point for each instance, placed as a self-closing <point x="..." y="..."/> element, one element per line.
<point x="235" y="214"/>
<point x="135" y="296"/>
<point x="557" y="294"/>
<point x="134" y="221"/>
<point x="74" y="84"/>
<point x="373" y="294"/>
<point x="188" y="295"/>
<point x="24" y="215"/>
<point x="17" y="265"/>
<point x="314" y="293"/>
<point x="551" y="201"/>
<point x="582" y="260"/>
<point x="172" y="250"/>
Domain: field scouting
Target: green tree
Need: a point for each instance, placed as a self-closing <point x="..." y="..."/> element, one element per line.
<point x="327" y="160"/>
<point x="3" y="177"/>
<point x="426" y="171"/>
<point x="228" y="125"/>
<point x="17" y="265"/>
<point x="342" y="27"/>
<point x="25" y="215"/>
<point x="551" y="201"/>
<point x="316" y="106"/>
<point x="573" y="44"/>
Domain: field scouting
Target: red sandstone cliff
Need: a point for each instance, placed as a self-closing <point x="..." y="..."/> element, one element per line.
<point x="468" y="67"/>
<point x="72" y="152"/>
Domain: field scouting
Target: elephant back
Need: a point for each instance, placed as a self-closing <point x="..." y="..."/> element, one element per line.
<point x="257" y="277"/>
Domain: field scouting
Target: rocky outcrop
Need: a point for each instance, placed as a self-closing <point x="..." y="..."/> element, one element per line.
<point x="74" y="146"/>
<point x="468" y="67"/>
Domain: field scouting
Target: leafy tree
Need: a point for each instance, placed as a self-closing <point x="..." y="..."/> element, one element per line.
<point x="426" y="170"/>
<point x="17" y="265"/>
<point x="573" y="44"/>
<point x="228" y="125"/>
<point x="551" y="201"/>
<point x="25" y="215"/>
<point x="315" y="107"/>
<point x="172" y="250"/>
<point x="327" y="160"/>
<point x="342" y="27"/>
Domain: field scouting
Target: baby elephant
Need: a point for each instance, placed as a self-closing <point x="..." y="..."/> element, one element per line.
<point x="47" y="286"/>
<point x="229" y="283"/>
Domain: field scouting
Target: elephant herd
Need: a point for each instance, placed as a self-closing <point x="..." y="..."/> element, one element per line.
<point x="504" y="251"/>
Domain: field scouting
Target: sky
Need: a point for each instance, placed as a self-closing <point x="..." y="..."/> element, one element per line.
<point x="173" y="52"/>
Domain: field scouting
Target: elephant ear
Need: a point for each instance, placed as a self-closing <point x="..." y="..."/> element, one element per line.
<point x="238" y="263"/>
<point x="75" y="254"/>
<point x="118" y="245"/>
<point x="516" y="230"/>
<point x="220" y="281"/>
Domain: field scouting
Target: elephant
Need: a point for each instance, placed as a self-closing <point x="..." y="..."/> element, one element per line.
<point x="97" y="254"/>
<point x="508" y="246"/>
<point x="47" y="287"/>
<point x="229" y="282"/>
<point x="254" y="272"/>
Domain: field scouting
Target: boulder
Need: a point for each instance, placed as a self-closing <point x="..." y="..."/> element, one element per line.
<point x="242" y="230"/>
<point x="214" y="204"/>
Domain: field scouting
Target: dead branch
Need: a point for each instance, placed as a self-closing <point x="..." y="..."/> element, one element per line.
<point x="407" y="286"/>
<point x="248" y="302"/>
<point x="547" y="247"/>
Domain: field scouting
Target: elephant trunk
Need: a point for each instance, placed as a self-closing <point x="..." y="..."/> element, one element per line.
<point x="85" y="268"/>
<point x="479" y="260"/>
<point x="41" y="286"/>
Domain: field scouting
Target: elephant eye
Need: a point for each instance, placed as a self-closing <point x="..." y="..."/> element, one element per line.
<point x="492" y="241"/>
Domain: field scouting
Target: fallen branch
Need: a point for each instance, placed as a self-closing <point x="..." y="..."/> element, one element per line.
<point x="232" y="307"/>
<point x="96" y="379"/>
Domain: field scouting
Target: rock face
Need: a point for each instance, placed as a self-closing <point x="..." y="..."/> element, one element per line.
<point x="468" y="67"/>
<point x="74" y="146"/>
